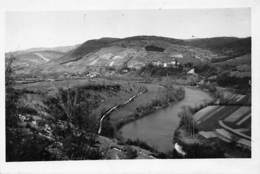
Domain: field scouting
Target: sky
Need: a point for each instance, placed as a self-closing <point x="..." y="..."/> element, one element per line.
<point x="47" y="29"/>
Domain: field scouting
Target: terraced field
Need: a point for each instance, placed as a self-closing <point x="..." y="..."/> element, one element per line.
<point x="233" y="116"/>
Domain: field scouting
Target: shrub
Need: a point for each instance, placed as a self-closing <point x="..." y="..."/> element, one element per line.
<point x="187" y="121"/>
<point x="141" y="144"/>
<point x="130" y="152"/>
<point x="70" y="105"/>
<point x="153" y="70"/>
<point x="107" y="129"/>
<point x="154" y="48"/>
<point x="210" y="150"/>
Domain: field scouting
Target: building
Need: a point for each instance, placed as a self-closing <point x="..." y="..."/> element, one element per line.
<point x="191" y="71"/>
<point x="173" y="63"/>
<point x="176" y="56"/>
<point x="157" y="63"/>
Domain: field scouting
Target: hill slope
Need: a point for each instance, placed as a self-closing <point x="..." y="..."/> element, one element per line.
<point x="228" y="46"/>
<point x="135" y="52"/>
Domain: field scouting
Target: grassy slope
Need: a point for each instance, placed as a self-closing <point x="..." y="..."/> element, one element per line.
<point x="154" y="92"/>
<point x="106" y="98"/>
<point x="240" y="60"/>
<point x="224" y="45"/>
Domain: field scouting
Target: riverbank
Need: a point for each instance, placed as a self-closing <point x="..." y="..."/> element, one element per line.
<point x="203" y="129"/>
<point x="156" y="129"/>
<point x="147" y="104"/>
<point x="109" y="111"/>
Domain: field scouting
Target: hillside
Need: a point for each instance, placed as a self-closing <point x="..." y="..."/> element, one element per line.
<point x="63" y="49"/>
<point x="237" y="61"/>
<point x="132" y="52"/>
<point x="85" y="48"/>
<point x="228" y="46"/>
<point x="27" y="60"/>
<point x="135" y="52"/>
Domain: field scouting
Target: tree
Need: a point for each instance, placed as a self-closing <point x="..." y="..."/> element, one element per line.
<point x="11" y="95"/>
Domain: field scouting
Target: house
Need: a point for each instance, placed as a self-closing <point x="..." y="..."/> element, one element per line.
<point x="92" y="74"/>
<point x="174" y="63"/>
<point x="191" y="71"/>
<point x="135" y="65"/>
<point x="157" y="63"/>
<point x="51" y="80"/>
<point x="125" y="70"/>
<point x="176" y="56"/>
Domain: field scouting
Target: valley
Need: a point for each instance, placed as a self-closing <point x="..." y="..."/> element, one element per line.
<point x="130" y="98"/>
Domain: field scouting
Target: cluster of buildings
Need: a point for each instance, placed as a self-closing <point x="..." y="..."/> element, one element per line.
<point x="173" y="63"/>
<point x="82" y="74"/>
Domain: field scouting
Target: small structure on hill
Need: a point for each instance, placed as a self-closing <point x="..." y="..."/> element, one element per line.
<point x="174" y="56"/>
<point x="93" y="74"/>
<point x="192" y="72"/>
<point x="157" y="63"/>
<point x="212" y="78"/>
<point x="173" y="63"/>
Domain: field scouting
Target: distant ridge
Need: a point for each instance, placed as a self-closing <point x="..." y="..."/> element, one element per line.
<point x="132" y="52"/>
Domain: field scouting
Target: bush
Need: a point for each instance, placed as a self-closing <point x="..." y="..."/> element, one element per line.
<point x="206" y="69"/>
<point x="11" y="94"/>
<point x="187" y="121"/>
<point x="153" y="70"/>
<point x="70" y="105"/>
<point x="107" y="129"/>
<point x="210" y="150"/>
<point x="81" y="147"/>
<point x="130" y="153"/>
<point x="226" y="80"/>
<point x="141" y="144"/>
<point x="69" y="135"/>
<point x="154" y="48"/>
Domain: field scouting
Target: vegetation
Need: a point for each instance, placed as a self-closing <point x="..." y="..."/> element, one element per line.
<point x="130" y="153"/>
<point x="154" y="48"/>
<point x="240" y="83"/>
<point x="187" y="121"/>
<point x="145" y="146"/>
<point x="197" y="148"/>
<point x="63" y="123"/>
<point x="153" y="70"/>
<point x="205" y="150"/>
<point x="69" y="134"/>
<point x="206" y="69"/>
<point x="141" y="144"/>
<point x="171" y="95"/>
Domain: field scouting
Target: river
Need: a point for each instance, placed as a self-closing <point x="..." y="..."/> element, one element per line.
<point x="157" y="128"/>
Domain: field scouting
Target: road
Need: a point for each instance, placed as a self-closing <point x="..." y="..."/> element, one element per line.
<point x="109" y="111"/>
<point x="42" y="57"/>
